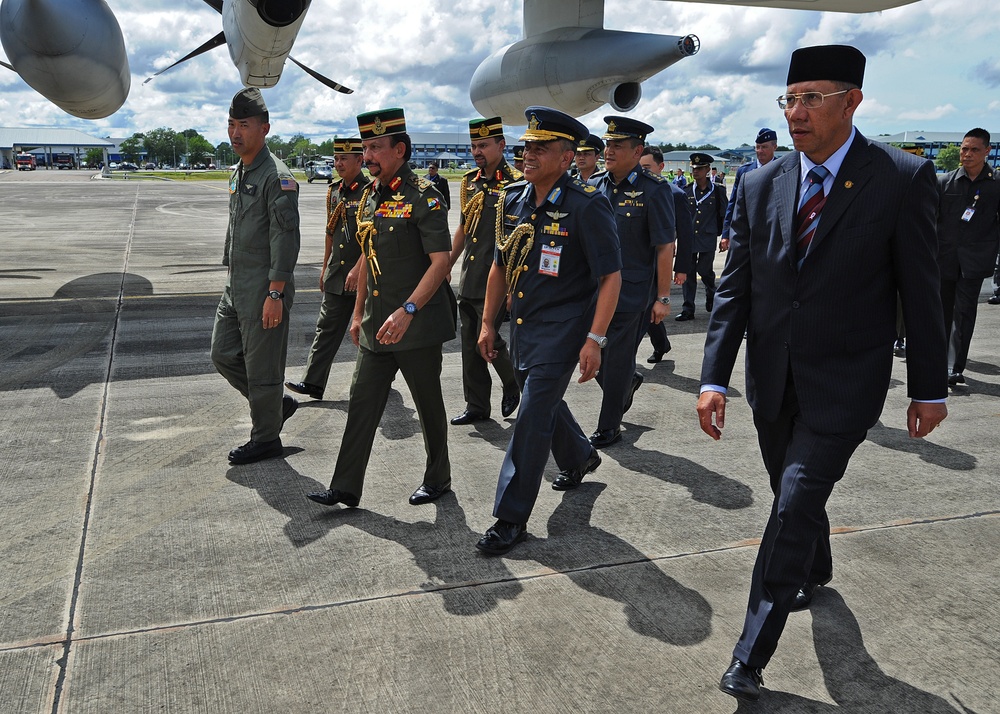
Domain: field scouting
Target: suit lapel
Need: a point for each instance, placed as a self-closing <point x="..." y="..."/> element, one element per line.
<point x="785" y="189"/>
<point x="848" y="184"/>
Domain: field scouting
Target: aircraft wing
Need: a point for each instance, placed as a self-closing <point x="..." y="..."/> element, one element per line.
<point x="858" y="6"/>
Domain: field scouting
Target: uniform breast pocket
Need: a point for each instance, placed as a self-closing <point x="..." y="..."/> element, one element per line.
<point x="392" y="234"/>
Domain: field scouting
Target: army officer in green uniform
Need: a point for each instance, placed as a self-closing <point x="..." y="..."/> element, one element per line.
<point x="403" y="313"/>
<point x="342" y="261"/>
<point x="250" y="337"/>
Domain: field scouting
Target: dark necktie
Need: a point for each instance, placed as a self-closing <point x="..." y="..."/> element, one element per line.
<point x="810" y="208"/>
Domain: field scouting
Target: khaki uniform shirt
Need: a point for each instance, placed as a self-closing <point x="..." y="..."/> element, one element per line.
<point x="344" y="249"/>
<point x="477" y="256"/>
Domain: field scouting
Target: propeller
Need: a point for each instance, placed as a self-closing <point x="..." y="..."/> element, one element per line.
<point x="219" y="39"/>
<point x="336" y="86"/>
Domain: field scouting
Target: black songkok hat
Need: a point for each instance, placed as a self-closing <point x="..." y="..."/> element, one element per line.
<point x="247" y="103"/>
<point x="835" y="63"/>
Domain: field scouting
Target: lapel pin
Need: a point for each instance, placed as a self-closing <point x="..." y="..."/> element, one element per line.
<point x="848" y="184"/>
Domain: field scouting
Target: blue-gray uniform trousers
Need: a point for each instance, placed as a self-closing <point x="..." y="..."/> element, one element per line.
<point x="544" y="424"/>
<point x="617" y="367"/>
<point x="373" y="376"/>
<point x="476" y="381"/>
<point x="252" y="359"/>
<point x="803" y="465"/>
<point x="334" y="318"/>
<point x="703" y="265"/>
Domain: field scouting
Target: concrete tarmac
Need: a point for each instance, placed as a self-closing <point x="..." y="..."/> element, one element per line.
<point x="140" y="572"/>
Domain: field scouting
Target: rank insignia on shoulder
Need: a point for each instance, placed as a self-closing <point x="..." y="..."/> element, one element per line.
<point x="433" y="204"/>
<point x="289" y="184"/>
<point x="590" y="189"/>
<point x="633" y="194"/>
<point x="394" y="184"/>
<point x="556" y="215"/>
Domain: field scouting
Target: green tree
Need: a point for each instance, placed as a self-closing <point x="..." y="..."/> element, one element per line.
<point x="132" y="147"/>
<point x="326" y="148"/>
<point x="225" y="153"/>
<point x="948" y="158"/>
<point x="200" y="150"/>
<point x="94" y="157"/>
<point x="161" y="145"/>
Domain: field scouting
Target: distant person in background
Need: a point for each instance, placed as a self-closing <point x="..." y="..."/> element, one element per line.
<point x="707" y="201"/>
<point x="765" y="145"/>
<point x="440" y="183"/>
<point x="968" y="230"/>
<point x="587" y="154"/>
<point x="679" y="179"/>
<point x="519" y="157"/>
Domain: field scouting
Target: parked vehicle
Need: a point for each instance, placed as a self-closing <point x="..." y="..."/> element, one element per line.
<point x="63" y="161"/>
<point x="26" y="162"/>
<point x="319" y="170"/>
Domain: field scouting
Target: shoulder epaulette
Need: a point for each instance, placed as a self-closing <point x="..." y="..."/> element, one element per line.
<point x="421" y="183"/>
<point x="515" y="175"/>
<point x="659" y="178"/>
<point x="470" y="172"/>
<point x="582" y="187"/>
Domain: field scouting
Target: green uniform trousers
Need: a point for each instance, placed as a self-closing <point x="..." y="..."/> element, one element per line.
<point x="334" y="317"/>
<point x="373" y="376"/>
<point x="476" y="381"/>
<point x="252" y="359"/>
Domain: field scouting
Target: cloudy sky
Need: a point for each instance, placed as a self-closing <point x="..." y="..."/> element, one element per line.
<point x="932" y="66"/>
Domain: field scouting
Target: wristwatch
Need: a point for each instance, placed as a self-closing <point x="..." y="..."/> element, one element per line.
<point x="601" y="340"/>
<point x="663" y="299"/>
<point x="275" y="295"/>
<point x="410" y="307"/>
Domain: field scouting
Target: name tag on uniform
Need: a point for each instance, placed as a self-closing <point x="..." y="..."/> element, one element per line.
<point x="549" y="264"/>
<point x="969" y="213"/>
<point x="249" y="189"/>
<point x="394" y="209"/>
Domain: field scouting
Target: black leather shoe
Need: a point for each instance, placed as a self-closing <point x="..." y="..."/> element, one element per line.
<point x="742" y="682"/>
<point x="307" y="389"/>
<point x="567" y="480"/>
<point x="899" y="348"/>
<point x="955" y="378"/>
<point x="256" y="451"/>
<point x="288" y="407"/>
<point x="501" y="537"/>
<point x="467" y="417"/>
<point x="427" y="493"/>
<point x="636" y="383"/>
<point x="684" y="317"/>
<point x="509" y="403"/>
<point x="657" y="356"/>
<point x="804" y="597"/>
<point x="709" y="304"/>
<point x="600" y="439"/>
<point x="994" y="299"/>
<point x="332" y="497"/>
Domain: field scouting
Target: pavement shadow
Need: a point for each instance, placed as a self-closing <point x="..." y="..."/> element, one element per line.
<point x="663" y="373"/>
<point x="444" y="550"/>
<point x="899" y="440"/>
<point x="985" y="368"/>
<point x="493" y="432"/>
<point x="283" y="488"/>
<point x="654" y="604"/>
<point x="852" y="677"/>
<point x="706" y="486"/>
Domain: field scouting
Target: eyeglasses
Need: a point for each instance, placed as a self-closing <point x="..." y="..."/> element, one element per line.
<point x="810" y="100"/>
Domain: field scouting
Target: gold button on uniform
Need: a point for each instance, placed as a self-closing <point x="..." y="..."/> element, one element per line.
<point x="472" y="257"/>
<point x="375" y="293"/>
<point x="552" y="243"/>
<point x="520" y="321"/>
<point x="341" y="245"/>
<point x="390" y="229"/>
<point x="341" y="262"/>
<point x="475" y="240"/>
<point x="520" y="294"/>
<point x="532" y="216"/>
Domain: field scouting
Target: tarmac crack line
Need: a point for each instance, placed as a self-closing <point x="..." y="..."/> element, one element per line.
<point x="63" y="662"/>
<point x="546" y="573"/>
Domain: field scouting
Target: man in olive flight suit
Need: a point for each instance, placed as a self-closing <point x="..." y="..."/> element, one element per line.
<point x="474" y="243"/>
<point x="403" y="313"/>
<point x="342" y="261"/>
<point x="250" y="337"/>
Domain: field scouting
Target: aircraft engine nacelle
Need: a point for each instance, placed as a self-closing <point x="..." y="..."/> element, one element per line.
<point x="70" y="51"/>
<point x="260" y="34"/>
<point x="575" y="70"/>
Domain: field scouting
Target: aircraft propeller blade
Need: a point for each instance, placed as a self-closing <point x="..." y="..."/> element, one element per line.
<point x="7" y="66"/>
<point x="217" y="4"/>
<point x="219" y="39"/>
<point x="320" y="78"/>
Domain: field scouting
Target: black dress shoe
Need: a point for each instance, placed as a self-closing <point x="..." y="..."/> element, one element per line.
<point x="288" y="407"/>
<point x="655" y="357"/>
<point x="804" y="597"/>
<point x="307" y="389"/>
<point x="742" y="682"/>
<point x="600" y="439"/>
<point x="332" y="496"/>
<point x="427" y="493"/>
<point x="567" y="480"/>
<point x="636" y="383"/>
<point x="899" y="348"/>
<point x="994" y="299"/>
<point x="955" y="378"/>
<point x="467" y="417"/>
<point x="509" y="403"/>
<point x="501" y="537"/>
<point x="709" y="304"/>
<point x="684" y="317"/>
<point x="256" y="451"/>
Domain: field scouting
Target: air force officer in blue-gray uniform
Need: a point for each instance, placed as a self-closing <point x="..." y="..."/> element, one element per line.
<point x="558" y="261"/>
<point x="829" y="232"/>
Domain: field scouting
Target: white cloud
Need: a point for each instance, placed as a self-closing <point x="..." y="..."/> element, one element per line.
<point x="932" y="62"/>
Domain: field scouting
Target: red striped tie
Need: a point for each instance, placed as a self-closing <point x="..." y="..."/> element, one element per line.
<point x="810" y="208"/>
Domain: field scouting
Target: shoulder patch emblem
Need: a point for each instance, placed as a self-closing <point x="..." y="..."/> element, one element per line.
<point x="288" y="184"/>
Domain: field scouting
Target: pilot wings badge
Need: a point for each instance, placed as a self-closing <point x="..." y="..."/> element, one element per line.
<point x="556" y="215"/>
<point x="633" y="194"/>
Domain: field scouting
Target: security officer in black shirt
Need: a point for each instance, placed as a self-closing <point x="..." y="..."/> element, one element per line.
<point x="342" y="261"/>
<point x="559" y="263"/>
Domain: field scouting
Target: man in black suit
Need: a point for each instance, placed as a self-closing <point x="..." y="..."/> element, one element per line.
<point x="828" y="233"/>
<point x="968" y="229"/>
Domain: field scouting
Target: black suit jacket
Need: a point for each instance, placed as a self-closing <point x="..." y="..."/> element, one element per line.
<point x="833" y="322"/>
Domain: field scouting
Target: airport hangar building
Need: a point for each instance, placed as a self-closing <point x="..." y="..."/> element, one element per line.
<point x="44" y="142"/>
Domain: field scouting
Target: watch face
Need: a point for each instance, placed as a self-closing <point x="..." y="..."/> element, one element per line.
<point x="410" y="308"/>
